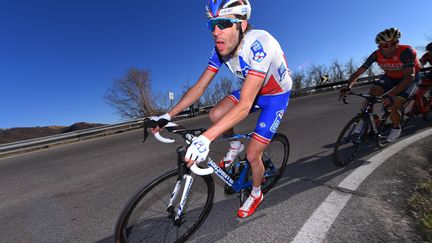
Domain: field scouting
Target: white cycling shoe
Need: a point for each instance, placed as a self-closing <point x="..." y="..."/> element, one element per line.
<point x="394" y="134"/>
<point x="236" y="147"/>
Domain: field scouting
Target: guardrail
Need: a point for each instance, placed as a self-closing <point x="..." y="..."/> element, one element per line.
<point x="49" y="141"/>
<point x="45" y="142"/>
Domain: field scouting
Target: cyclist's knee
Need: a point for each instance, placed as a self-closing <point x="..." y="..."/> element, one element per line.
<point x="376" y="91"/>
<point x="217" y="112"/>
<point x="254" y="152"/>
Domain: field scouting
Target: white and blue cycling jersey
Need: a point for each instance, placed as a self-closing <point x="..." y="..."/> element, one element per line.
<point x="260" y="55"/>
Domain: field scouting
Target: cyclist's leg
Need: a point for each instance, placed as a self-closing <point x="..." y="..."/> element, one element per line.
<point x="381" y="86"/>
<point x="272" y="110"/>
<point x="399" y="101"/>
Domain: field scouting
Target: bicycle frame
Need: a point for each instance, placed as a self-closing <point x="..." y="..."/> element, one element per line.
<point x="185" y="175"/>
<point x="367" y="111"/>
<point x="418" y="101"/>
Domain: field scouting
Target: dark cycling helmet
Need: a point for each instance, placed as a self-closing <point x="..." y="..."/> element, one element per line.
<point x="429" y="47"/>
<point x="388" y="35"/>
<point x="220" y="8"/>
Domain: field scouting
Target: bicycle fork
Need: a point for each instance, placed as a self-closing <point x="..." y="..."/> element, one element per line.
<point x="185" y="176"/>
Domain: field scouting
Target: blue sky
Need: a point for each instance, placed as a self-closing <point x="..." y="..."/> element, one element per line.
<point x="58" y="58"/>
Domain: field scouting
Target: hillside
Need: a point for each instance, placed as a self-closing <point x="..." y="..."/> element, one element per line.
<point x="23" y="133"/>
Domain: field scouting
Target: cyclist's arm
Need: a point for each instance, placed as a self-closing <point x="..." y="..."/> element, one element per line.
<point x="249" y="91"/>
<point x="354" y="77"/>
<point x="194" y="93"/>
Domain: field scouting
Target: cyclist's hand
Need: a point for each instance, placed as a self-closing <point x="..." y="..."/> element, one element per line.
<point x="344" y="91"/>
<point x="198" y="150"/>
<point x="161" y="122"/>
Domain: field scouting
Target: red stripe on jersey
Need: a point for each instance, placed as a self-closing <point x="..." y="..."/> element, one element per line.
<point x="212" y="69"/>
<point x="260" y="138"/>
<point x="256" y="73"/>
<point x="233" y="99"/>
<point x="272" y="87"/>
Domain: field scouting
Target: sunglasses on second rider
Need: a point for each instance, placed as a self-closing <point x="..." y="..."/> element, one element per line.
<point x="387" y="45"/>
<point x="221" y="23"/>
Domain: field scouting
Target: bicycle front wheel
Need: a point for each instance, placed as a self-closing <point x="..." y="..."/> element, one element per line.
<point x="349" y="143"/>
<point x="275" y="158"/>
<point x="147" y="218"/>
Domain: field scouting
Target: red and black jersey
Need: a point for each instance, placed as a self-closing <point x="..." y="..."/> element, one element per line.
<point x="405" y="56"/>
<point x="426" y="58"/>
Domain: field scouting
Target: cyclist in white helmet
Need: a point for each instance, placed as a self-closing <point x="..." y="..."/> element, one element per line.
<point x="255" y="57"/>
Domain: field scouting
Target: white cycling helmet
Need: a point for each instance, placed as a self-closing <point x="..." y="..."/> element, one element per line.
<point x="220" y="8"/>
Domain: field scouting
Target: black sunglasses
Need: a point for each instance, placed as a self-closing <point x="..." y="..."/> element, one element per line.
<point x="221" y="23"/>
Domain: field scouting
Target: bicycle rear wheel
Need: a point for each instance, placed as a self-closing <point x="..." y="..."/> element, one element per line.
<point x="349" y="143"/>
<point x="146" y="217"/>
<point x="275" y="158"/>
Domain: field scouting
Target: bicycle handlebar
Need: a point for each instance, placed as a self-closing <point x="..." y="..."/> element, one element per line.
<point x="367" y="96"/>
<point x="152" y="122"/>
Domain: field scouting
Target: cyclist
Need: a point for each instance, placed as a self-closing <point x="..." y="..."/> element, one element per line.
<point x="401" y="74"/>
<point x="427" y="58"/>
<point x="255" y="57"/>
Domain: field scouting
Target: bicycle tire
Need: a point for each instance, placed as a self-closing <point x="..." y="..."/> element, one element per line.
<point x="346" y="149"/>
<point x="130" y="227"/>
<point x="275" y="161"/>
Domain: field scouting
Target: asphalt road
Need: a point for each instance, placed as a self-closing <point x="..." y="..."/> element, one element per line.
<point x="75" y="192"/>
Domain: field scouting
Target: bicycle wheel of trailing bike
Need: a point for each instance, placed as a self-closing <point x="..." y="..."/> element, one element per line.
<point x="148" y="218"/>
<point x="349" y="143"/>
<point x="275" y="158"/>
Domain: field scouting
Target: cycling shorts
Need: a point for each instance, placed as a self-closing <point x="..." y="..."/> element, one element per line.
<point x="387" y="83"/>
<point x="272" y="109"/>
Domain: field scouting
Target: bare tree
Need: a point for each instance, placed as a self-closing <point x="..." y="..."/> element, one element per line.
<point x="219" y="90"/>
<point x="131" y="96"/>
<point x="350" y="68"/>
<point x="315" y="74"/>
<point x="298" y="78"/>
<point x="336" y="72"/>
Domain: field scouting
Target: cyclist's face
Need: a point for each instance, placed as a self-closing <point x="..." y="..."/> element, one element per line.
<point x="388" y="49"/>
<point x="226" y="39"/>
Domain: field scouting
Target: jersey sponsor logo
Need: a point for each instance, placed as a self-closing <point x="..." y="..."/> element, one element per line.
<point x="258" y="51"/>
<point x="244" y="67"/>
<point x="200" y="146"/>
<point x="391" y="66"/>
<point x="277" y="120"/>
<point x="282" y="70"/>
<point x="262" y="125"/>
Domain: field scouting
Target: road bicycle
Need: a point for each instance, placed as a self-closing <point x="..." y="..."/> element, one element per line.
<point x="174" y="205"/>
<point x="373" y="126"/>
<point x="420" y="104"/>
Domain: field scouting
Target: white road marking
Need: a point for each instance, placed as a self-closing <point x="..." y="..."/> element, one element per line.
<point x="318" y="224"/>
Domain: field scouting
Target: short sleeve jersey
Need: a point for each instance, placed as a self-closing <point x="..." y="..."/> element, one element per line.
<point x="404" y="57"/>
<point x="261" y="56"/>
<point x="426" y="58"/>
